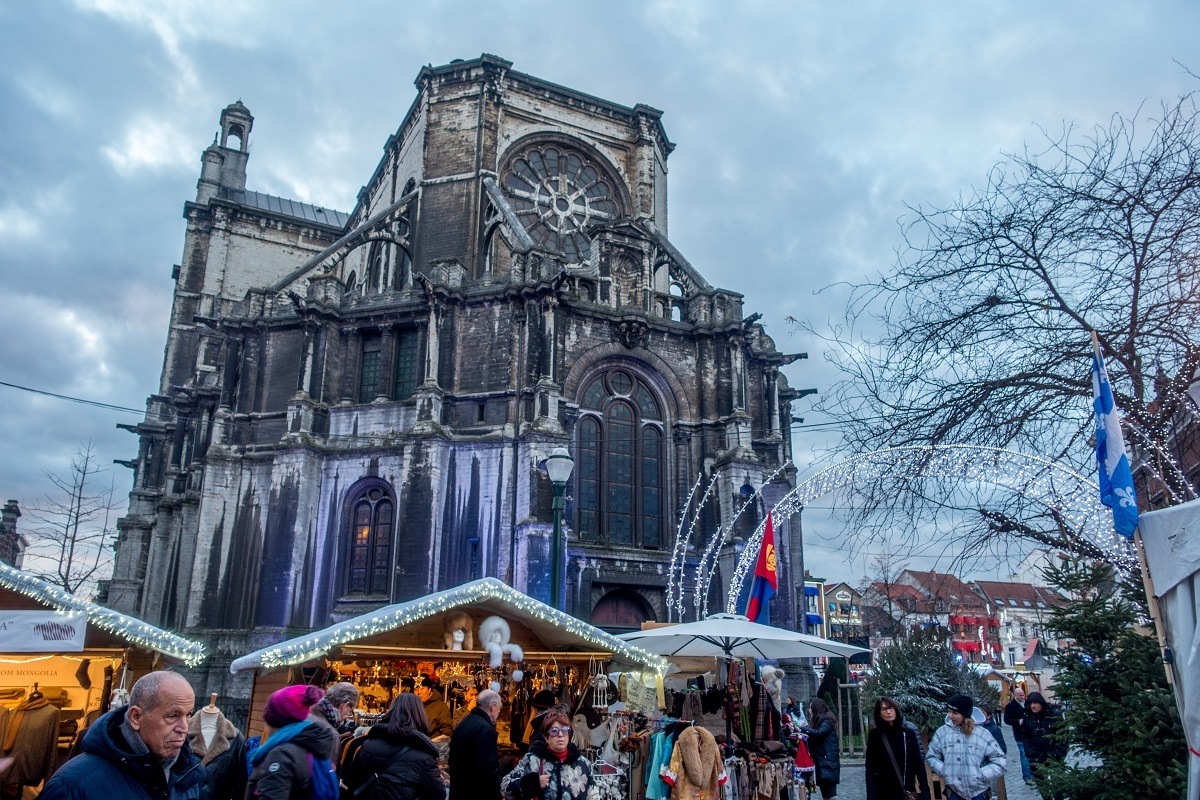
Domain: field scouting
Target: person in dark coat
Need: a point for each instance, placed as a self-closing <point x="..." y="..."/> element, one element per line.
<point x="436" y="710"/>
<point x="1041" y="724"/>
<point x="137" y="751"/>
<point x="990" y="725"/>
<point x="398" y="756"/>
<point x="1014" y="717"/>
<point x="883" y="782"/>
<point x="474" y="758"/>
<point x="280" y="766"/>
<point x="823" y="745"/>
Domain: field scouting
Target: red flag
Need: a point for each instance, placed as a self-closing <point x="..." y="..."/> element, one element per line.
<point x="766" y="578"/>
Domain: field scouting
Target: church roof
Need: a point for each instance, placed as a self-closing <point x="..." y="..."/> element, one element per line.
<point x="284" y="207"/>
<point x="555" y="628"/>
<point x="129" y="628"/>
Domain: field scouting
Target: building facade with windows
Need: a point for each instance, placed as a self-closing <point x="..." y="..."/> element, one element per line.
<point x="354" y="407"/>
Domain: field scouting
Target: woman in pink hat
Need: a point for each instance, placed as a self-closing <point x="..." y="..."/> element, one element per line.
<point x="294" y="749"/>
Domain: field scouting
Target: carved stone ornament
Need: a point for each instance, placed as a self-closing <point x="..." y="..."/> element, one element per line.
<point x="633" y="333"/>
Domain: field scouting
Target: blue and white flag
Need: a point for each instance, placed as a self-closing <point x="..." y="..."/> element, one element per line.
<point x="1116" y="478"/>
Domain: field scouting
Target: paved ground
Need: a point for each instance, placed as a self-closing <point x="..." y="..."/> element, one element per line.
<point x="853" y="785"/>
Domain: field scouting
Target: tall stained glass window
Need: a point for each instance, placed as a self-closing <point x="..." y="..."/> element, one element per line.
<point x="620" y="462"/>
<point x="369" y="557"/>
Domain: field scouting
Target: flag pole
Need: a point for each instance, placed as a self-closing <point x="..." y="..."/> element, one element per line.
<point x="1152" y="604"/>
<point x="1147" y="579"/>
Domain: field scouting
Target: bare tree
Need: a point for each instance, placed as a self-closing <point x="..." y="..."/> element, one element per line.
<point x="74" y="526"/>
<point x="879" y="592"/>
<point x="980" y="334"/>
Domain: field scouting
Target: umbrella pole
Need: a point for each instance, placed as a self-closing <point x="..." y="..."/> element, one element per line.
<point x="728" y="707"/>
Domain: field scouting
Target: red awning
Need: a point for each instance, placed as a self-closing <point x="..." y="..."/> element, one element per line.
<point x="957" y="619"/>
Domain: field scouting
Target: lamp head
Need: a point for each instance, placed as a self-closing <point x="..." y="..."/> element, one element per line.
<point x="559" y="465"/>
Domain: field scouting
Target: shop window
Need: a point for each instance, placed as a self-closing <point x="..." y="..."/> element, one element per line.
<point x="368" y="376"/>
<point x="408" y="363"/>
<point x="620" y="466"/>
<point x="370" y="518"/>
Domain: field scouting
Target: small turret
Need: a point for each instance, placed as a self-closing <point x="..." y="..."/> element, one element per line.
<point x="223" y="164"/>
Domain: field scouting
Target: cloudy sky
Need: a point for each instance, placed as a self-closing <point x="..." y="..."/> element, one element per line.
<point x="803" y="129"/>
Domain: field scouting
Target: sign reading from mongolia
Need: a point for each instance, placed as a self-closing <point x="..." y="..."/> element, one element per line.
<point x="41" y="632"/>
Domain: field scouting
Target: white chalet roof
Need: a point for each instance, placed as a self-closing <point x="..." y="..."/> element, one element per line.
<point x="556" y="629"/>
<point x="129" y="628"/>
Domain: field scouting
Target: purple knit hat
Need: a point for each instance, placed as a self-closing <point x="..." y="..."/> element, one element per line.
<point x="291" y="704"/>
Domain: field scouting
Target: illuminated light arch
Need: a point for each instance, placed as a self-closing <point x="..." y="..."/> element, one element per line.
<point x="1072" y="496"/>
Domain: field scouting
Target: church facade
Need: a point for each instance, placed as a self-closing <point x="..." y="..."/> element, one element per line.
<point x="355" y="407"/>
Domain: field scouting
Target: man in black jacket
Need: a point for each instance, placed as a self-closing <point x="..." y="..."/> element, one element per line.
<point x="474" y="757"/>
<point x="1014" y="717"/>
<point x="137" y="751"/>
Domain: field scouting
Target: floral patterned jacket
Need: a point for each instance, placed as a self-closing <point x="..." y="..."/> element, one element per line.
<point x="569" y="780"/>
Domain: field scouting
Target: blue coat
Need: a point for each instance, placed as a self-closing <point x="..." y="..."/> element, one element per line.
<point x="823" y="745"/>
<point x="107" y="769"/>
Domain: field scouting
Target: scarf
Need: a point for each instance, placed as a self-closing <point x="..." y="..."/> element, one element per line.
<point x="331" y="714"/>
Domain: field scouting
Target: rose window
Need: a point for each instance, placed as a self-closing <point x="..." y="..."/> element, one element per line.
<point x="557" y="193"/>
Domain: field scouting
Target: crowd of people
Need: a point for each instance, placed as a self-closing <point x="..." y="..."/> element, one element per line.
<point x="152" y="748"/>
<point x="969" y="758"/>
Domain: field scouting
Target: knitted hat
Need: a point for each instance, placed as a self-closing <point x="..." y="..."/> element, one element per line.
<point x="543" y="699"/>
<point x="960" y="703"/>
<point x="291" y="704"/>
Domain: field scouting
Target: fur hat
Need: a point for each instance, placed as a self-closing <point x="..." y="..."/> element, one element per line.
<point x="543" y="699"/>
<point x="960" y="703"/>
<point x="291" y="704"/>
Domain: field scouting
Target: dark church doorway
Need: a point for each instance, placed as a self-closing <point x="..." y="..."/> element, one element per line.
<point x="622" y="610"/>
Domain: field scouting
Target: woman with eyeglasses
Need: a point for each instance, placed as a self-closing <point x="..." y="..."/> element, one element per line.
<point x="553" y="769"/>
<point x="895" y="765"/>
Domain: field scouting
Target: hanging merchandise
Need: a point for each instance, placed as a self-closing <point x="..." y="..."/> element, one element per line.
<point x="496" y="638"/>
<point x="696" y="771"/>
<point x="458" y="631"/>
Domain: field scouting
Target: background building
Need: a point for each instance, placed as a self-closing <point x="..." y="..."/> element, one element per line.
<point x="354" y="407"/>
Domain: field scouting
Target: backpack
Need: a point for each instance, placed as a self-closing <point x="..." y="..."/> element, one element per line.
<point x="324" y="778"/>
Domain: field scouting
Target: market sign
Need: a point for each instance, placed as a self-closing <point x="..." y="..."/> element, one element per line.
<point x="41" y="632"/>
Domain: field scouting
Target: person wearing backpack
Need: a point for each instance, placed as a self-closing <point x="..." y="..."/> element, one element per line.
<point x="292" y="760"/>
<point x="397" y="761"/>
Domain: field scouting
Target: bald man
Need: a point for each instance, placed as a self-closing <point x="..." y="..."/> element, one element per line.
<point x="137" y="751"/>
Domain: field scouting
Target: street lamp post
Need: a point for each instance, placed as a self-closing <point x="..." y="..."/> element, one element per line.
<point x="558" y="466"/>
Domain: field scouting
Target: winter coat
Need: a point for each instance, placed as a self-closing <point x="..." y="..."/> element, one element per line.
<point x="696" y="771"/>
<point x="224" y="757"/>
<point x="330" y="718"/>
<point x="823" y="744"/>
<point x="438" y="713"/>
<point x="968" y="764"/>
<point x="108" y="769"/>
<point x="569" y="780"/>
<point x="882" y="783"/>
<point x="993" y="727"/>
<point x="405" y="766"/>
<point x="1014" y="717"/>
<point x="280" y="767"/>
<point x="1039" y="729"/>
<point x="474" y="759"/>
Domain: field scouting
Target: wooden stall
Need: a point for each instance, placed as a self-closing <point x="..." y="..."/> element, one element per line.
<point x="377" y="650"/>
<point x="62" y="658"/>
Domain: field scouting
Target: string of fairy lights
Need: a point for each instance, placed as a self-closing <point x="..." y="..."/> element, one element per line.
<point x="315" y="645"/>
<point x="675" y="573"/>
<point x="707" y="567"/>
<point x="129" y="628"/>
<point x="1068" y="493"/>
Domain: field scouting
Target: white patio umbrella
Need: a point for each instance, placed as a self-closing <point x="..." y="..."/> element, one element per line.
<point x="734" y="636"/>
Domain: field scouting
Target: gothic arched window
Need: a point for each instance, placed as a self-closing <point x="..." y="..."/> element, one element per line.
<point x="621" y="462"/>
<point x="370" y="518"/>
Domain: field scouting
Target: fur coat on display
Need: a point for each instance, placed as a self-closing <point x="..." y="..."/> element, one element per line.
<point x="224" y="757"/>
<point x="696" y="771"/>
